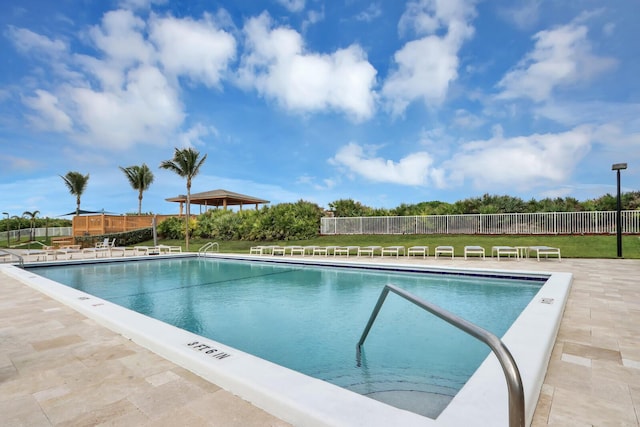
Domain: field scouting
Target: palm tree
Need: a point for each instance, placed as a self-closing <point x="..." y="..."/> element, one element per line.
<point x="76" y="183"/>
<point x="140" y="178"/>
<point x="186" y="163"/>
<point x="32" y="222"/>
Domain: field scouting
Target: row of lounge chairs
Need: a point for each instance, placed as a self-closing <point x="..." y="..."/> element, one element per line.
<point x="104" y="249"/>
<point x="516" y="252"/>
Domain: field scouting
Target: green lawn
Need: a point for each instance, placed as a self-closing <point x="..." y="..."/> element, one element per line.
<point x="570" y="246"/>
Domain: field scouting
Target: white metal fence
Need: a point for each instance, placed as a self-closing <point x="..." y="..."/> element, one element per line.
<point x="39" y="232"/>
<point x="603" y="222"/>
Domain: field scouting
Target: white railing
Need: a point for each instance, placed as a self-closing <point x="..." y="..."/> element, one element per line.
<point x="39" y="232"/>
<point x="593" y="222"/>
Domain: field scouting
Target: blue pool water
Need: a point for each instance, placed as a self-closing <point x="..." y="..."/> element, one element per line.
<point x="310" y="318"/>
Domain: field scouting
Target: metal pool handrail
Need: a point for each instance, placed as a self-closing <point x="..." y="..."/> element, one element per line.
<point x="20" y="258"/>
<point x="509" y="367"/>
<point x="208" y="246"/>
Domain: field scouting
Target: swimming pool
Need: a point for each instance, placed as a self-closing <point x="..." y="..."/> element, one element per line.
<point x="308" y="318"/>
<point x="378" y="354"/>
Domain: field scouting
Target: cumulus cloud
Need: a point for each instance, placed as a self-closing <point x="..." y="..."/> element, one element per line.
<point x="278" y="67"/>
<point x="128" y="91"/>
<point x="146" y="110"/>
<point x="560" y="57"/>
<point x="27" y="41"/>
<point x="120" y="38"/>
<point x="410" y="170"/>
<point x="51" y="114"/>
<point x="521" y="162"/>
<point x="425" y="67"/>
<point x="292" y="5"/>
<point x="195" y="134"/>
<point x="193" y="48"/>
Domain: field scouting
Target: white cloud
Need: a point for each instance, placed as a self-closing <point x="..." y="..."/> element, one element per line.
<point x="139" y="4"/>
<point x="560" y="57"/>
<point x="277" y="66"/>
<point x="524" y="15"/>
<point x="51" y="114"/>
<point x="292" y="5"/>
<point x="20" y="164"/>
<point x="325" y="184"/>
<point x="195" y="134"/>
<point x="146" y="109"/>
<point x="426" y="67"/>
<point x="373" y="11"/>
<point x="522" y="162"/>
<point x="467" y="120"/>
<point x="120" y="37"/>
<point x="410" y="170"/>
<point x="313" y="17"/>
<point x="27" y="41"/>
<point x="193" y="48"/>
<point x="128" y="91"/>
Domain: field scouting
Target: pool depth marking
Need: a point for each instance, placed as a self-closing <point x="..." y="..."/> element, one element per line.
<point x="208" y="350"/>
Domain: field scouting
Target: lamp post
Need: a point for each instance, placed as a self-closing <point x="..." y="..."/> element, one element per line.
<point x="7" y="214"/>
<point x="618" y="167"/>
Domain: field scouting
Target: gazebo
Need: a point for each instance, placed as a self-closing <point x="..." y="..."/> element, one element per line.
<point x="217" y="198"/>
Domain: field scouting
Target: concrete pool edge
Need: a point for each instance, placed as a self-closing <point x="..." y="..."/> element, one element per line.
<point x="289" y="395"/>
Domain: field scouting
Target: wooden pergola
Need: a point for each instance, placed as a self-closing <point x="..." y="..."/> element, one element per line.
<point x="217" y="198"/>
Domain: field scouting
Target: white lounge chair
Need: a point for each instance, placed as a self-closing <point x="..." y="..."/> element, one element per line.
<point x="345" y="250"/>
<point x="546" y="251"/>
<point x="256" y="250"/>
<point x="295" y="250"/>
<point x="146" y="250"/>
<point x="69" y="250"/>
<point x="393" y="250"/>
<point x="100" y="247"/>
<point x="504" y="250"/>
<point x="473" y="250"/>
<point x="320" y="250"/>
<point x="418" y="250"/>
<point x="444" y="250"/>
<point x="278" y="250"/>
<point x="368" y="250"/>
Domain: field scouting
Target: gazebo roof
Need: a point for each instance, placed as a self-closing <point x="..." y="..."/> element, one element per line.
<point x="218" y="198"/>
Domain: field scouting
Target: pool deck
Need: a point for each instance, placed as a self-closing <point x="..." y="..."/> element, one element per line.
<point x="58" y="367"/>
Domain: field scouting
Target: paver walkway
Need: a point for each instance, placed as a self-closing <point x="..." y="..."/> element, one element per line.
<point x="59" y="368"/>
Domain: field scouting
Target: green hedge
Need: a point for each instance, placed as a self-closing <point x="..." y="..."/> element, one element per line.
<point x="284" y="221"/>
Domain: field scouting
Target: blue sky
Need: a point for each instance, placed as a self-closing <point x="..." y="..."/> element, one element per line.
<point x="384" y="102"/>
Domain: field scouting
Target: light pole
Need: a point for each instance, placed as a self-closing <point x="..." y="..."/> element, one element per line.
<point x="7" y="214"/>
<point x="618" y="167"/>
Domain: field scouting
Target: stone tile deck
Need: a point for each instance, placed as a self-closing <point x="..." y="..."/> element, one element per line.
<point x="59" y="368"/>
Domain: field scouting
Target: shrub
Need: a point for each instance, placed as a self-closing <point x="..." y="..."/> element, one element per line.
<point x="171" y="228"/>
<point x="285" y="221"/>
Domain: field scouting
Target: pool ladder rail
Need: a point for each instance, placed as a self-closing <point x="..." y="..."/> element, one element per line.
<point x="509" y="367"/>
<point x="12" y="253"/>
<point x="208" y="247"/>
